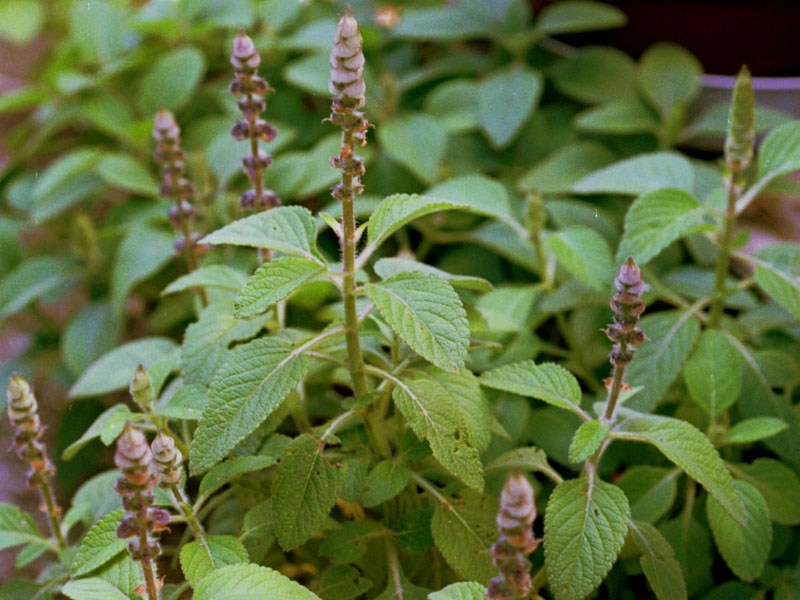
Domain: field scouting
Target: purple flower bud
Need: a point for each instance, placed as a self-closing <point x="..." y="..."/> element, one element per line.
<point x="240" y="130"/>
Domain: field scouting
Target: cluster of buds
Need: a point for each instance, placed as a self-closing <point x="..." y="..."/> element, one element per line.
<point x="28" y="430"/>
<point x="628" y="306"/>
<point x="167" y="461"/>
<point x="252" y="88"/>
<point x="141" y="390"/>
<point x="174" y="185"/>
<point x="347" y="85"/>
<point x="509" y="553"/>
<point x="741" y="124"/>
<point x="142" y="519"/>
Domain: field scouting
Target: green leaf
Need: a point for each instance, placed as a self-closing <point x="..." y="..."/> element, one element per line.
<point x="755" y="429"/>
<point x="687" y="447"/>
<point x="202" y="556"/>
<point x="384" y="482"/>
<point x="478" y="194"/>
<point x="229" y="470"/>
<point x="671" y="336"/>
<point x="777" y="483"/>
<point x="656" y="219"/>
<point x="127" y="173"/>
<point x="20" y="20"/>
<point x="304" y="491"/>
<point x="98" y="29"/>
<point x="33" y="279"/>
<point x="662" y="570"/>
<point x="564" y="167"/>
<point x="349" y="542"/>
<point x="467" y="19"/>
<point x="692" y="545"/>
<point x="596" y="74"/>
<point x="399" y="209"/>
<point x="250" y="384"/>
<point x="90" y="333"/>
<point x="93" y="588"/>
<point x="273" y="281"/>
<point x="287" y="229"/>
<point x="547" y="382"/>
<point x="66" y="182"/>
<point x="587" y="440"/>
<point x="527" y="459"/>
<point x="639" y="175"/>
<point x="585" y="254"/>
<point x="778" y="274"/>
<point x="573" y="16"/>
<point x="115" y="413"/>
<point x="714" y="373"/>
<point x="141" y="253"/>
<point x="463" y="590"/>
<point x="388" y="267"/>
<point x="651" y="491"/>
<point x="455" y="104"/>
<point x="670" y="75"/>
<point x="780" y="151"/>
<point x="342" y="582"/>
<point x="417" y="142"/>
<point x="113" y="370"/>
<point x="249" y="582"/>
<point x="310" y="73"/>
<point x="464" y="530"/>
<point x="17" y="527"/>
<point x="427" y="313"/>
<point x="500" y="119"/>
<point x="584" y="528"/>
<point x="435" y="414"/>
<point x="93" y="500"/>
<point x="618" y="117"/>
<point x="744" y="548"/>
<point x="220" y="277"/>
<point x="171" y="80"/>
<point x="99" y="545"/>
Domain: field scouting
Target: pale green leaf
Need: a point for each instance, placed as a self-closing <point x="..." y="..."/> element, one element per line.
<point x="527" y="459"/>
<point x="670" y="75"/>
<point x="202" y="556"/>
<point x="657" y="219"/>
<point x="388" y="267"/>
<point x="585" y="254"/>
<point x="304" y="491"/>
<point x="93" y="500"/>
<point x="141" y="253"/>
<point x="463" y="590"/>
<point x="398" y="210"/>
<point x="651" y="491"/>
<point x="171" y="80"/>
<point x="384" y="482"/>
<point x="500" y="119"/>
<point x="250" y="384"/>
<point x="16" y="527"/>
<point x="125" y="172"/>
<point x="273" y="281"/>
<point x="455" y="105"/>
<point x="66" y="182"/>
<point x="93" y="588"/>
<point x="229" y="470"/>
<point x="287" y="229"/>
<point x="464" y="530"/>
<point x="249" y="582"/>
<point x="584" y="528"/>
<point x="596" y="74"/>
<point x="573" y="16"/>
<point x="505" y="241"/>
<point x="752" y="430"/>
<point x="778" y="274"/>
<point x="33" y="279"/>
<point x="98" y="29"/>
<point x="417" y="142"/>
<point x="186" y="403"/>
<point x="618" y="117"/>
<point x="777" y="483"/>
<point x="564" y="167"/>
<point x="427" y="313"/>
<point x="213" y="276"/>
<point x="662" y="570"/>
<point x="99" y="545"/>
<point x="639" y="175"/>
<point x="310" y="73"/>
<point x="478" y="194"/>
<point x="21" y="20"/>
<point x="587" y="440"/>
<point x="780" y="152"/>
<point x="113" y="370"/>
<point x="744" y="548"/>
<point x="90" y="333"/>
<point x="714" y="373"/>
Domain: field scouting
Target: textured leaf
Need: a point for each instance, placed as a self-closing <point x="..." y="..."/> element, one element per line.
<point x="142" y="253"/>
<point x="304" y="492"/>
<point x="417" y="142"/>
<point x="349" y="542"/>
<point x="287" y="229"/>
<point x="231" y="469"/>
<point x="99" y="545"/>
<point x="500" y="119"/>
<point x="584" y="528"/>
<point x="249" y="582"/>
<point x="93" y="588"/>
<point x="778" y="274"/>
<point x="744" y="548"/>
<point x="388" y="267"/>
<point x="587" y="440"/>
<point x="464" y="530"/>
<point x="585" y="254"/>
<point x="651" y="491"/>
<point x="186" y="404"/>
<point x="435" y="414"/>
<point x="752" y="430"/>
<point x="688" y="448"/>
<point x="342" y="582"/>
<point x="125" y="172"/>
<point x="669" y="75"/>
<point x="200" y="557"/>
<point x="527" y="459"/>
<point x="213" y="276"/>
<point x="34" y="278"/>
<point x="250" y="384"/>
<point x="384" y="482"/>
<point x="113" y="371"/>
<point x="16" y="527"/>
<point x="573" y="16"/>
<point x="657" y="219"/>
<point x="399" y="209"/>
<point x="780" y="152"/>
<point x="639" y="175"/>
<point x="547" y="382"/>
<point x="714" y="373"/>
<point x="463" y="590"/>
<point x="273" y="281"/>
<point x="779" y="486"/>
<point x="427" y="313"/>
<point x="658" y="562"/>
<point x="171" y="80"/>
<point x="564" y="167"/>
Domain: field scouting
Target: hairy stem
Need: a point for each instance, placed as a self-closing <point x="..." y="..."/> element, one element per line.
<point x="724" y="253"/>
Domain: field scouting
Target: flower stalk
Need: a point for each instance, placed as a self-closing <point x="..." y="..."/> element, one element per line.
<point x="24" y="416"/>
<point x="167" y="460"/>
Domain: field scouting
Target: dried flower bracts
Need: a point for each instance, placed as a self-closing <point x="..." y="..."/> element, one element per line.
<point x="628" y="306"/>
<point x="167" y="460"/>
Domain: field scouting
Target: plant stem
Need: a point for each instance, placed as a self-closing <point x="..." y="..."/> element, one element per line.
<point x="181" y="503"/>
<point x="52" y="512"/>
<point x="724" y="252"/>
<point x="149" y="574"/>
<point x="613" y="393"/>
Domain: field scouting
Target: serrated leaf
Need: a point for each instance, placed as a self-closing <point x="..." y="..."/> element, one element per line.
<point x="564" y="167"/>
<point x="780" y="152"/>
<point x="669" y="75"/>
<point x="662" y="570"/>
<point x="500" y="119"/>
<point x="434" y="414"/>
<point x="778" y="274"/>
<point x="639" y="175"/>
<point x="651" y="491"/>
<point x="202" y="556"/>
<point x="17" y="527"/>
<point x="171" y="80"/>
<point x="573" y="16"/>
<point x="427" y="313"/>
<point x="273" y="281"/>
<point x="99" y="545"/>
<point x="671" y="336"/>
<point x="125" y="172"/>
<point x="304" y="492"/>
<point x="213" y="276"/>
<point x="342" y="582"/>
<point x="778" y="484"/>
<point x="399" y="209"/>
<point x="584" y="253"/>
<point x="231" y="469"/>
<point x="464" y="530"/>
<point x="388" y="267"/>
<point x="288" y="229"/>
<point x="547" y="382"/>
<point x="249" y="582"/>
<point x="252" y="382"/>
<point x="587" y="440"/>
<point x="657" y="219"/>
<point x="417" y="142"/>
<point x="714" y="373"/>
<point x="141" y="253"/>
<point x="185" y="404"/>
<point x="463" y="590"/>
<point x="113" y="370"/>
<point x="744" y="548"/>
<point x="384" y="482"/>
<point x="752" y="430"/>
<point x="584" y="528"/>
<point x="34" y="279"/>
<point x="689" y="449"/>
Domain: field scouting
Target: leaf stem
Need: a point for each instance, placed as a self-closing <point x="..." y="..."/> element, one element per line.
<point x="183" y="506"/>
